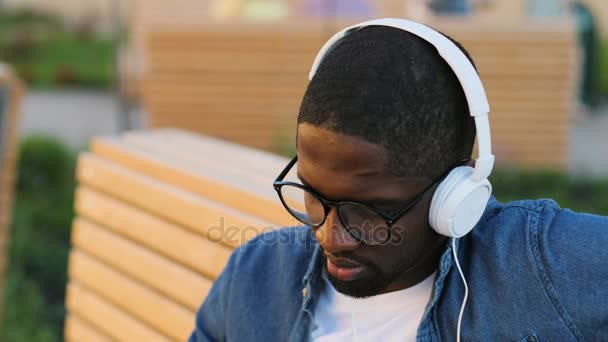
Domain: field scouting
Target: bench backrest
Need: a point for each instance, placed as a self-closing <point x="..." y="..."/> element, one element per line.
<point x="158" y="214"/>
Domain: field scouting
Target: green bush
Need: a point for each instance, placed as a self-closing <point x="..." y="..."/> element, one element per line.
<point x="44" y="163"/>
<point x="577" y="193"/>
<point x="39" y="242"/>
<point x="46" y="54"/>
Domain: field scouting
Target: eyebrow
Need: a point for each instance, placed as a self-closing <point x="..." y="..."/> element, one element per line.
<point x="377" y="203"/>
<point x="304" y="182"/>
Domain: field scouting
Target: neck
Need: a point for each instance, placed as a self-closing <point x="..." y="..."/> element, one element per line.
<point x="426" y="265"/>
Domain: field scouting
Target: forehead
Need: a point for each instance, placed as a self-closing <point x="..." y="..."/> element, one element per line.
<point x="342" y="166"/>
<point x="339" y="152"/>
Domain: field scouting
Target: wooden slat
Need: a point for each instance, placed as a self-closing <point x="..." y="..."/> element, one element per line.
<point x="77" y="330"/>
<point x="170" y="118"/>
<point x="532" y="141"/>
<point x="253" y="139"/>
<point x="107" y="318"/>
<point x="260" y="160"/>
<point x="194" y="212"/>
<point x="144" y="304"/>
<point x="284" y="95"/>
<point x="225" y="80"/>
<point x="267" y="165"/>
<point x="183" y="246"/>
<point x="219" y="180"/>
<point x="256" y="169"/>
<point x="231" y="63"/>
<point x="177" y="282"/>
<point x="246" y="126"/>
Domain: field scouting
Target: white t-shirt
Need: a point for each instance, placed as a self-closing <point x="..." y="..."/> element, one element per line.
<point x="394" y="316"/>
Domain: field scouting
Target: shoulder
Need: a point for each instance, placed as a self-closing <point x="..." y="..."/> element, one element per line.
<point x="573" y="242"/>
<point x="545" y="221"/>
<point x="571" y="253"/>
<point x="564" y="249"/>
<point x="507" y="221"/>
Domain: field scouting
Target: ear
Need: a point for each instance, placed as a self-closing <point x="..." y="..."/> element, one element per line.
<point x="471" y="163"/>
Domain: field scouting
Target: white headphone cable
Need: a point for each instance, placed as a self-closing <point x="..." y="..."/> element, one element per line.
<point x="466" y="289"/>
<point x="353" y="326"/>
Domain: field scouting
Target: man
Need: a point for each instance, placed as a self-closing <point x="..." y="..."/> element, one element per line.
<point x="383" y="129"/>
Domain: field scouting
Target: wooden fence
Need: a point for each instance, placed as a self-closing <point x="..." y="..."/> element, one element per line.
<point x="244" y="82"/>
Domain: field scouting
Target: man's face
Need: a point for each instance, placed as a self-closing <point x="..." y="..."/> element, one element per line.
<point x="347" y="168"/>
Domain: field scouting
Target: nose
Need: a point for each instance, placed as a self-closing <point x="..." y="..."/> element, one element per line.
<point x="333" y="237"/>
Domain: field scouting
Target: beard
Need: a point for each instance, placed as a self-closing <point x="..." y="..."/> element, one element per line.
<point x="372" y="283"/>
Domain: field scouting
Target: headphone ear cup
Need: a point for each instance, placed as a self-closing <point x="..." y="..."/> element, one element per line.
<point x="458" y="203"/>
<point x="443" y="190"/>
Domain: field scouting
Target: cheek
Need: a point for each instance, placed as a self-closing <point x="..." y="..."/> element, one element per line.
<point x="410" y="238"/>
<point x="412" y="228"/>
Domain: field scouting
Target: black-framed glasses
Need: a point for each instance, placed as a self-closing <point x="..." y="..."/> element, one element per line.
<point x="362" y="221"/>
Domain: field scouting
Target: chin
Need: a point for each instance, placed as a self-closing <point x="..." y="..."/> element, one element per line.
<point x="367" y="286"/>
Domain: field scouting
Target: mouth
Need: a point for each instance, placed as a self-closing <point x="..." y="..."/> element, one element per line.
<point x="344" y="269"/>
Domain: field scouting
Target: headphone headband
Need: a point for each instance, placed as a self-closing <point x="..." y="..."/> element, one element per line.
<point x="461" y="66"/>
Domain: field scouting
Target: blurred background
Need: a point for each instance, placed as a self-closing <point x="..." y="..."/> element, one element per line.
<point x="236" y="70"/>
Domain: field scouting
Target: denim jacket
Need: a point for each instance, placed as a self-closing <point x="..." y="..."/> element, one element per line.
<point x="535" y="272"/>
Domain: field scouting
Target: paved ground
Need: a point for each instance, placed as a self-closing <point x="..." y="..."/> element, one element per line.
<point x="73" y="116"/>
<point x="589" y="143"/>
<point x="76" y="116"/>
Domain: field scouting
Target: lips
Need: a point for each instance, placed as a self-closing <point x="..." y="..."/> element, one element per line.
<point x="344" y="269"/>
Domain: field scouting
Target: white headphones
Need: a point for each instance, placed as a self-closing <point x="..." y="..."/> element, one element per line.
<point x="462" y="196"/>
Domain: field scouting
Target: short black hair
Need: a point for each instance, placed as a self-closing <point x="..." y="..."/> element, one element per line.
<point x="392" y="88"/>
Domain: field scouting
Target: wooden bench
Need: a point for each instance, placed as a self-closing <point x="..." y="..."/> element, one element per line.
<point x="244" y="82"/>
<point x="10" y="104"/>
<point x="158" y="214"/>
<point x="145" y="16"/>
